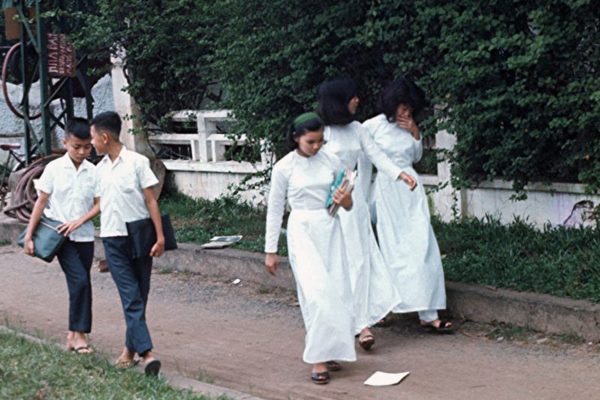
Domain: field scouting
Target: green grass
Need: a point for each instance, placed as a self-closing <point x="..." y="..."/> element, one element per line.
<point x="559" y="261"/>
<point x="4" y="242"/>
<point x="38" y="371"/>
<point x="197" y="221"/>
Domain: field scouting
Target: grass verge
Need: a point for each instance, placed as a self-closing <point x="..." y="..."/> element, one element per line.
<point x="197" y="221"/>
<point x="42" y="371"/>
<point x="559" y="261"/>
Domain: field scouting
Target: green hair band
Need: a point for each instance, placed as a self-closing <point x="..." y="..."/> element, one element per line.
<point x="302" y="118"/>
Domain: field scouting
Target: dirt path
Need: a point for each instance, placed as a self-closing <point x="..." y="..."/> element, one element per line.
<point x="251" y="340"/>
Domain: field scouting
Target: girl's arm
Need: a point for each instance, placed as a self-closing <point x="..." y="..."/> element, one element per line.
<point x="381" y="160"/>
<point x="275" y="209"/>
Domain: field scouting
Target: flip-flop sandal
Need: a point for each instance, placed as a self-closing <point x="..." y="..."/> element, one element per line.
<point x="124" y="364"/>
<point x="152" y="368"/>
<point x="320" y="378"/>
<point x="333" y="366"/>
<point x="444" y="327"/>
<point x="366" y="342"/>
<point x="82" y="350"/>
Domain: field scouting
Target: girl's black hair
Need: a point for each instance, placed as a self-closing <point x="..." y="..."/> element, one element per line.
<point x="78" y="127"/>
<point x="299" y="130"/>
<point x="401" y="91"/>
<point x="334" y="96"/>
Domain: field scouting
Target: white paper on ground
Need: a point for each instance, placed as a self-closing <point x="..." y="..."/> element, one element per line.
<point x="385" y="379"/>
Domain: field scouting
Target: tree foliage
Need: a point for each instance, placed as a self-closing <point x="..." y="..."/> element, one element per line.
<point x="516" y="81"/>
<point x="166" y="47"/>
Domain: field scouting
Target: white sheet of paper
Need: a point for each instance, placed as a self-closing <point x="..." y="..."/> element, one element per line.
<point x="385" y="379"/>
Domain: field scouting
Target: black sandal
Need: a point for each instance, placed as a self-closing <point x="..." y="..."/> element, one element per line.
<point x="333" y="366"/>
<point x="445" y="326"/>
<point x="320" y="378"/>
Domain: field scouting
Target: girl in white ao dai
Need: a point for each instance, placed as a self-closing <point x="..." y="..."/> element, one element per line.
<point x="406" y="238"/>
<point x="315" y="246"/>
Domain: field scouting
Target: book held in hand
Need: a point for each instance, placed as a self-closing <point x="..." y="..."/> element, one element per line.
<point x="344" y="179"/>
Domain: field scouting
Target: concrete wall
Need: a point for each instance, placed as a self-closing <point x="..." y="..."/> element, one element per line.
<point x="208" y="180"/>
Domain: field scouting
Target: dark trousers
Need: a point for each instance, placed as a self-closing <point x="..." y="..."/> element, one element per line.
<point x="75" y="259"/>
<point x="132" y="277"/>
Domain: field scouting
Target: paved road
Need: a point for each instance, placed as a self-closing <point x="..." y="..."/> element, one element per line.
<point x="250" y="339"/>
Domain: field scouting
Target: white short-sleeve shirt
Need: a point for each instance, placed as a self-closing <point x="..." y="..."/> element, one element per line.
<point x="121" y="185"/>
<point x="71" y="194"/>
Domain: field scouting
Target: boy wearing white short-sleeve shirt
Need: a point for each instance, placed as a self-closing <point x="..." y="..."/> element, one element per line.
<point x="125" y="183"/>
<point x="66" y="193"/>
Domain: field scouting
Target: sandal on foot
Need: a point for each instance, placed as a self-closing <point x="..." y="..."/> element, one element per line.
<point x="333" y="366"/>
<point x="152" y="368"/>
<point x="366" y="342"/>
<point x="320" y="378"/>
<point x="123" y="363"/>
<point x="82" y="349"/>
<point x="443" y="327"/>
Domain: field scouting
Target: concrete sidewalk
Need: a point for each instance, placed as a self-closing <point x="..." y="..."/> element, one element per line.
<point x="249" y="337"/>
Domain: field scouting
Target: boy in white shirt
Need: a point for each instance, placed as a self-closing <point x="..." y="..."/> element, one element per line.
<point x="125" y="183"/>
<point x="67" y="194"/>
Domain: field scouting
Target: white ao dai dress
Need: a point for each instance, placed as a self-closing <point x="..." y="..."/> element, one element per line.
<point x="404" y="230"/>
<point x="374" y="292"/>
<point x="316" y="253"/>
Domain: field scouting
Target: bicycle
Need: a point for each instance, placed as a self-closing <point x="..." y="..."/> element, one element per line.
<point x="13" y="162"/>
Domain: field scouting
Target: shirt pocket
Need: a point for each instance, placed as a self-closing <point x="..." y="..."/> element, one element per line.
<point x="126" y="183"/>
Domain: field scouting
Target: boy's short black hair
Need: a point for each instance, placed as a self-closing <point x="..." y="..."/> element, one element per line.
<point x="334" y="96"/>
<point x="401" y="91"/>
<point x="108" y="121"/>
<point x="78" y="127"/>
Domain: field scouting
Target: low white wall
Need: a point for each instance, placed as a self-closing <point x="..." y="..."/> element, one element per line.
<point x="205" y="180"/>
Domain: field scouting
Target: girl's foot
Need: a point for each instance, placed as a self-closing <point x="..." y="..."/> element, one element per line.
<point x="366" y="340"/>
<point x="437" y="326"/>
<point x="333" y="366"/>
<point x="320" y="374"/>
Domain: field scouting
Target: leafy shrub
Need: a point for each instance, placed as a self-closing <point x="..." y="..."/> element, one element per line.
<point x="558" y="261"/>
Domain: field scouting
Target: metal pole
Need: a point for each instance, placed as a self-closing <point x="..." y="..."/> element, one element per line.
<point x="26" y="85"/>
<point x="43" y="54"/>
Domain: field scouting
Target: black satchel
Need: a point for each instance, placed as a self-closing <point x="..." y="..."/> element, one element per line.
<point x="142" y="236"/>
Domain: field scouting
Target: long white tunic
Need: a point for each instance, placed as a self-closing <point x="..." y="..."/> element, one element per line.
<point x="404" y="229"/>
<point x="316" y="253"/>
<point x="374" y="293"/>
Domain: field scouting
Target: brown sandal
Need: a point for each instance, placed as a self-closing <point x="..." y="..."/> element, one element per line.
<point x="443" y="327"/>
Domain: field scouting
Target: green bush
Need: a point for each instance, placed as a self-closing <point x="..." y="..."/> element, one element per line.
<point x="168" y="48"/>
<point x="516" y="81"/>
<point x="558" y="261"/>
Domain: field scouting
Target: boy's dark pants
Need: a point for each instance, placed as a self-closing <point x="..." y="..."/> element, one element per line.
<point x="75" y="259"/>
<point x="132" y="277"/>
